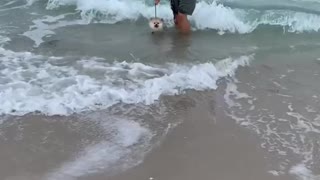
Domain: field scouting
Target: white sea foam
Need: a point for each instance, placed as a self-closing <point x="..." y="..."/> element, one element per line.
<point x="289" y="137"/>
<point x="46" y="26"/>
<point x="222" y="18"/>
<point x="127" y="144"/>
<point x="3" y="37"/>
<point x="303" y="173"/>
<point x="3" y="40"/>
<point x="293" y="21"/>
<point x="30" y="2"/>
<point x="32" y="83"/>
<point x="206" y="15"/>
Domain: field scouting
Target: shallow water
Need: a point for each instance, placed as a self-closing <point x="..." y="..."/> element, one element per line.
<point x="86" y="89"/>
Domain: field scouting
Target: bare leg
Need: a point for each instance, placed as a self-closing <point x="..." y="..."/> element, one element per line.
<point x="182" y="23"/>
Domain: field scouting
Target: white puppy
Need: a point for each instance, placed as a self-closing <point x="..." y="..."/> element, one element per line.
<point x="156" y="24"/>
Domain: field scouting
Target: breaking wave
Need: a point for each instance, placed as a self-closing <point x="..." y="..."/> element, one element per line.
<point x="207" y="15"/>
<point x="53" y="85"/>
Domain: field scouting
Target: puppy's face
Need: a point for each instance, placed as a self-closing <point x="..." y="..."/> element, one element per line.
<point x="156" y="24"/>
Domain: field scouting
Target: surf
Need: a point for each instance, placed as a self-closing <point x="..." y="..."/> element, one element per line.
<point x="60" y="89"/>
<point x="226" y="17"/>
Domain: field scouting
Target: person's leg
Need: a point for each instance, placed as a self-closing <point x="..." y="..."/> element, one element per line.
<point x="181" y="9"/>
<point x="183" y="23"/>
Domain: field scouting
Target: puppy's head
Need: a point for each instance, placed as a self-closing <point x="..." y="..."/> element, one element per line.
<point x="156" y="24"/>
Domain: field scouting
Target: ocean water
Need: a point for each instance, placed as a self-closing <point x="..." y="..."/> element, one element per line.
<point x="80" y="62"/>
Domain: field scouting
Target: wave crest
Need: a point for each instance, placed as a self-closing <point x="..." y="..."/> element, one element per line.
<point x="206" y="15"/>
<point x="31" y="83"/>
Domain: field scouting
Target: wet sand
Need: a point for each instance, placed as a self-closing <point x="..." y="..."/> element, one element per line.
<point x="206" y="144"/>
<point x="205" y="147"/>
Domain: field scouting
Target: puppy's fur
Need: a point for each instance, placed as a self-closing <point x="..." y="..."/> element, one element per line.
<point x="156" y="25"/>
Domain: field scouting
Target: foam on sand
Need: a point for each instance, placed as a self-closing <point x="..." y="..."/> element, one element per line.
<point x="127" y="144"/>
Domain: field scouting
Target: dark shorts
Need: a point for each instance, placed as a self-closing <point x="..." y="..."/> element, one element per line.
<point x="183" y="6"/>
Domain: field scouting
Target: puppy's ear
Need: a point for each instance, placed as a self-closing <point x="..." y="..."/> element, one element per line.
<point x="161" y="19"/>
